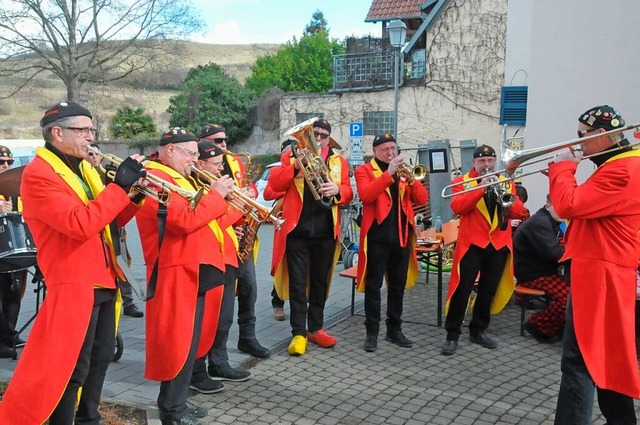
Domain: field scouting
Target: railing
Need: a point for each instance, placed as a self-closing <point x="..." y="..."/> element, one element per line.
<point x="362" y="71"/>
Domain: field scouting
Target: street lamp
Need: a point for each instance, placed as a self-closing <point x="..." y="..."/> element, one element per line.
<point x="397" y="36"/>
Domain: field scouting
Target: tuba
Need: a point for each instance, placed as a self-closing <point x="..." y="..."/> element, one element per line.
<point x="306" y="153"/>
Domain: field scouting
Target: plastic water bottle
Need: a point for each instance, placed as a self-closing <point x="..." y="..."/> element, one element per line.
<point x="438" y="224"/>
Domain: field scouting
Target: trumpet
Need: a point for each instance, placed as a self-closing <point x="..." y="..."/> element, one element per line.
<point x="514" y="159"/>
<point x="499" y="189"/>
<point x="238" y="200"/>
<point x="409" y="173"/>
<point x="163" y="188"/>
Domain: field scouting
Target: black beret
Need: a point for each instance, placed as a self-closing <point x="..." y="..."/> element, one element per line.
<point x="63" y="110"/>
<point x="5" y="153"/>
<point x="484" y="150"/>
<point x="602" y="117"/>
<point x="177" y="135"/>
<point x="383" y="138"/>
<point x="208" y="149"/>
<point x="211" y="129"/>
<point x="322" y="123"/>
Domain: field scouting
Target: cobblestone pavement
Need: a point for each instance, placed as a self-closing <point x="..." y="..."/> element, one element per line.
<point x="515" y="384"/>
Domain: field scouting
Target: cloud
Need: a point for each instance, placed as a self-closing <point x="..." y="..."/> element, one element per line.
<point x="230" y="32"/>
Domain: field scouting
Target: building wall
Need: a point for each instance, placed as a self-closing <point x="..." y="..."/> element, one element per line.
<point x="583" y="53"/>
<point x="422" y="115"/>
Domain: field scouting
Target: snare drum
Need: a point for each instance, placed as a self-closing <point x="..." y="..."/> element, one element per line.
<point x="17" y="250"/>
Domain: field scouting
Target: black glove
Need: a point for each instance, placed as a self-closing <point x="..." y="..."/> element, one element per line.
<point x="128" y="174"/>
<point x="110" y="172"/>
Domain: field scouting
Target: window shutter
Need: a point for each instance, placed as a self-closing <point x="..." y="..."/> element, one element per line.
<point x="513" y="105"/>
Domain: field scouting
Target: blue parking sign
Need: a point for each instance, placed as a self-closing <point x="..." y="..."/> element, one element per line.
<point x="356" y="129"/>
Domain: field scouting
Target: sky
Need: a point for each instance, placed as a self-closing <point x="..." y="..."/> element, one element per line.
<point x="278" y="21"/>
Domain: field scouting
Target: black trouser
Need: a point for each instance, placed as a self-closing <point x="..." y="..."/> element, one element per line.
<point x="308" y="258"/>
<point x="275" y="299"/>
<point x="247" y="297"/>
<point x="9" y="305"/>
<point x="95" y="355"/>
<point x="173" y="394"/>
<point x="490" y="264"/>
<point x="385" y="258"/>
<point x="218" y="355"/>
<point x="575" y="398"/>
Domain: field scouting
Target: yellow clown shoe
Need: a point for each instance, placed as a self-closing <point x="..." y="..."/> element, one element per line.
<point x="298" y="345"/>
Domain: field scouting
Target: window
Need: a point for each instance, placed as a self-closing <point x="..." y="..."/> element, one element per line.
<point x="377" y="122"/>
<point x="513" y="105"/>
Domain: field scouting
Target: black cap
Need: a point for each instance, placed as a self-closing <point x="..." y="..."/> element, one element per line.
<point x="603" y="116"/>
<point x="177" y="135"/>
<point x="286" y="143"/>
<point x="211" y="129"/>
<point x="208" y="149"/>
<point x="484" y="150"/>
<point x="383" y="138"/>
<point x="322" y="123"/>
<point x="63" y="110"/>
<point x="5" y="153"/>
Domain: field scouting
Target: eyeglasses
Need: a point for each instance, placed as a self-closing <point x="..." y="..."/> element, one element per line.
<point x="321" y="135"/>
<point x="82" y="131"/>
<point x="582" y="133"/>
<point x="6" y="161"/>
<point x="216" y="164"/>
<point x="189" y="152"/>
<point x="219" y="140"/>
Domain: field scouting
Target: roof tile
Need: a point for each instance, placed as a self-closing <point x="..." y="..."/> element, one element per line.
<point x="384" y="10"/>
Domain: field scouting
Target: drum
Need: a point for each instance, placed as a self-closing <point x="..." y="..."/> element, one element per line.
<point x="17" y="250"/>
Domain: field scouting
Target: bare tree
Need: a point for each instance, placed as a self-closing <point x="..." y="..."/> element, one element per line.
<point x="87" y="41"/>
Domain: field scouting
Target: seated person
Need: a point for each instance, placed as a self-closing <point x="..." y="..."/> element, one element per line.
<point x="537" y="249"/>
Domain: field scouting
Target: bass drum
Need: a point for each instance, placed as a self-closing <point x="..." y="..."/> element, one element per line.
<point x="17" y="249"/>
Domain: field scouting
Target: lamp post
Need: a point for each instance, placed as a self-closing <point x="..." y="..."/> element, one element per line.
<point x="397" y="36"/>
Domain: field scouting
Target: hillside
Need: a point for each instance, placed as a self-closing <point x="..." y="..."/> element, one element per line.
<point x="19" y="115"/>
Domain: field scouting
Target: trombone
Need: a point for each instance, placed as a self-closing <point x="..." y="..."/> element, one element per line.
<point x="238" y="200"/>
<point x="163" y="190"/>
<point x="513" y="159"/>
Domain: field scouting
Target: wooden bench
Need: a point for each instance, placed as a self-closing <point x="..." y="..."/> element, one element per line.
<point x="351" y="273"/>
<point x="528" y="294"/>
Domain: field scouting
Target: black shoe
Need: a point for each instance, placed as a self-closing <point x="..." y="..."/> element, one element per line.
<point x="5" y="352"/>
<point x="371" y="343"/>
<point x="207" y="386"/>
<point x="132" y="311"/>
<point x="227" y="373"/>
<point x="482" y="339"/>
<point x="398" y="338"/>
<point x="449" y="347"/>
<point x="535" y="332"/>
<point x="186" y="420"/>
<point x="196" y="411"/>
<point x="253" y="348"/>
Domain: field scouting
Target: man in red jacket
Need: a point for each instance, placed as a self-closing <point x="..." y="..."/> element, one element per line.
<point x="387" y="238"/>
<point x="188" y="266"/>
<point x="484" y="246"/>
<point x="247" y="286"/>
<point x="69" y="212"/>
<point x="602" y="247"/>
<point x="307" y="245"/>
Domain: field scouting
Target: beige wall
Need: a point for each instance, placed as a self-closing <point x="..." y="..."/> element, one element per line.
<point x="422" y="115"/>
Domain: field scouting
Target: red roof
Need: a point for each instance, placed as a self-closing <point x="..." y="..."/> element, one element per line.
<point x="384" y="10"/>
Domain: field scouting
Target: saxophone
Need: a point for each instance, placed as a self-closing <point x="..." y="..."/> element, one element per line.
<point x="307" y="155"/>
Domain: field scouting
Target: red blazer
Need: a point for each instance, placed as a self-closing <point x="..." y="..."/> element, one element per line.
<point x="476" y="228"/>
<point x="602" y="242"/>
<point x="285" y="179"/>
<point x="188" y="242"/>
<point x="373" y="189"/>
<point x="71" y="255"/>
